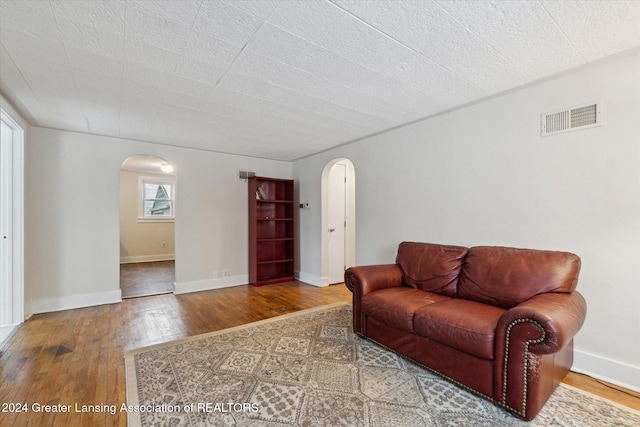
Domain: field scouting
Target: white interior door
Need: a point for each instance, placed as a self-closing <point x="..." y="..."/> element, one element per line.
<point x="11" y="224"/>
<point x="337" y="222"/>
<point x="6" y="294"/>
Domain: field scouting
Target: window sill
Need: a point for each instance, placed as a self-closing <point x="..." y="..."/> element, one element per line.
<point x="152" y="220"/>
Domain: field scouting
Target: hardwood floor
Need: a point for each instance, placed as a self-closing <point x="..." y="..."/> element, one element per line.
<point x="604" y="389"/>
<point x="77" y="356"/>
<point x="147" y="278"/>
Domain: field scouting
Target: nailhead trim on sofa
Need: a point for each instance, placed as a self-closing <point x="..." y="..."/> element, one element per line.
<point x="525" y="363"/>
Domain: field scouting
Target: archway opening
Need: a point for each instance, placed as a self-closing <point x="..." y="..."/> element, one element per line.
<point x="338" y="189"/>
<point x="147" y="226"/>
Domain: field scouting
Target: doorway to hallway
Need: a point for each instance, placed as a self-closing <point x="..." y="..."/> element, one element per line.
<point x="147" y="226"/>
<point x="338" y="220"/>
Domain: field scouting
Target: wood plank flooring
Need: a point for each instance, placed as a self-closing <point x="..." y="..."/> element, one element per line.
<point x="77" y="356"/>
<point x="147" y="278"/>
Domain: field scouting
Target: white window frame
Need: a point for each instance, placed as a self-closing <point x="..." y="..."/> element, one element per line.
<point x="142" y="180"/>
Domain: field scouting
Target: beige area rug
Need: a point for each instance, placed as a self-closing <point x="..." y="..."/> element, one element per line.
<point x="309" y="369"/>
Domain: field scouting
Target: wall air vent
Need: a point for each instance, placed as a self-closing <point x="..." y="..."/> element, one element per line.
<point x="246" y="175"/>
<point x="577" y="118"/>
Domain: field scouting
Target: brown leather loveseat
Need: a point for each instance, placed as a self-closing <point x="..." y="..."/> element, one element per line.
<point x="497" y="321"/>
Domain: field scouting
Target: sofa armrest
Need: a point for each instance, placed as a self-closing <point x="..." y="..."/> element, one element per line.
<point x="557" y="316"/>
<point x="362" y="280"/>
<point x="534" y="349"/>
<point x="365" y="279"/>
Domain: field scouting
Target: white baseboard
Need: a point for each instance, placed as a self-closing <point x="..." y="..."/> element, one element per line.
<point x="28" y="309"/>
<point x="146" y="258"/>
<point x="311" y="279"/>
<point x="602" y="368"/>
<point x="208" y="284"/>
<point x="47" y="305"/>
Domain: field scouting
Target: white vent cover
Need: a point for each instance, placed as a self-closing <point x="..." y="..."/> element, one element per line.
<point x="576" y="118"/>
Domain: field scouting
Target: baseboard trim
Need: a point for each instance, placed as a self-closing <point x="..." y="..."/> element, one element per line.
<point x="146" y="258"/>
<point x="605" y="369"/>
<point x="209" y="284"/>
<point x="311" y="279"/>
<point x="47" y="305"/>
<point x="28" y="309"/>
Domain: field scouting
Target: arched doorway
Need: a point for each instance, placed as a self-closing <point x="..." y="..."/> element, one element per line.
<point x="147" y="226"/>
<point x="338" y="220"/>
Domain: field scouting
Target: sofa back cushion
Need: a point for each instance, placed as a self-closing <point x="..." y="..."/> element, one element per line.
<point x="431" y="267"/>
<point x="505" y="277"/>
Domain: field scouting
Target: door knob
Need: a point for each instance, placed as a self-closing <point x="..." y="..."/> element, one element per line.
<point x="331" y="230"/>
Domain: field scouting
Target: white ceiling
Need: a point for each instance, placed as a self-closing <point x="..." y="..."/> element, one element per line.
<point x="285" y="79"/>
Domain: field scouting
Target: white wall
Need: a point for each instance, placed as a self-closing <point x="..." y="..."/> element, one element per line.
<point x="74" y="184"/>
<point x="482" y="175"/>
<point x="142" y="241"/>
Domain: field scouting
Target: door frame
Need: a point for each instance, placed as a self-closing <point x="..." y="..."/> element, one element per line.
<point x="350" y="228"/>
<point x="12" y="194"/>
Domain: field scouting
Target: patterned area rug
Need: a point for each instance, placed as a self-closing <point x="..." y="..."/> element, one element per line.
<point x="309" y="369"/>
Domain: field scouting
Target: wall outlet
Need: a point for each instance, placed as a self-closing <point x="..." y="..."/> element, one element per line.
<point x="164" y="244"/>
<point x="225" y="273"/>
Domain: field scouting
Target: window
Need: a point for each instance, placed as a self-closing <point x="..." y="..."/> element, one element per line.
<point x="157" y="199"/>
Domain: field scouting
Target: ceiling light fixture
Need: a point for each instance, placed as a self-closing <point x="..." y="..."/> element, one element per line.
<point x="166" y="168"/>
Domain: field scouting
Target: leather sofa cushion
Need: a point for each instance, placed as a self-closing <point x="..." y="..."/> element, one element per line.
<point x="431" y="267"/>
<point x="396" y="306"/>
<point x="505" y="277"/>
<point x="465" y="325"/>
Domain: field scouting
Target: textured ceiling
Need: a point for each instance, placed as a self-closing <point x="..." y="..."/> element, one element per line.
<point x="285" y="79"/>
